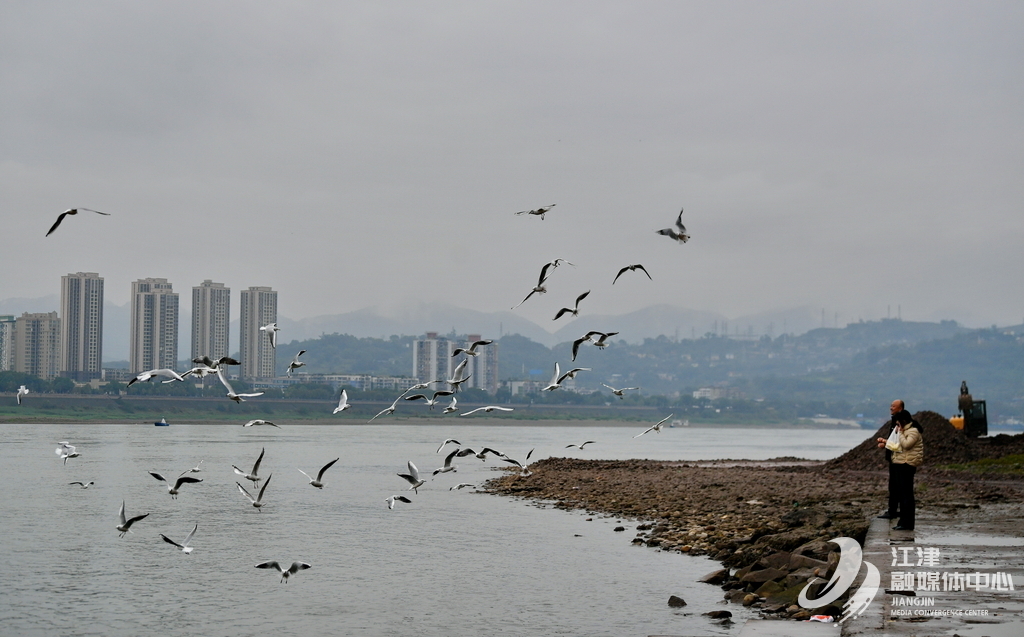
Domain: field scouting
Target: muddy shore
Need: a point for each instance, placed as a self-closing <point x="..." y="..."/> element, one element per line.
<point x="754" y="516"/>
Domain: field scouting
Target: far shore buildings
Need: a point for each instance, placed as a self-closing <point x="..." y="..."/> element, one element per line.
<point x="37" y="344"/>
<point x="432" y="360"/>
<point x="81" y="326"/>
<point x="154" y="326"/>
<point x="258" y="307"/>
<point x="7" y="323"/>
<point x="211" y="316"/>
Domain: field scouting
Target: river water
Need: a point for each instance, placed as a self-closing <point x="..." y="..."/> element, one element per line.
<point x="454" y="562"/>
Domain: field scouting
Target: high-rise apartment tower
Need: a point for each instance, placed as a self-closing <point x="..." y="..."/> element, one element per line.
<point x="154" y="327"/>
<point x="211" y="316"/>
<point x="258" y="308"/>
<point x="37" y="344"/>
<point x="81" y="326"/>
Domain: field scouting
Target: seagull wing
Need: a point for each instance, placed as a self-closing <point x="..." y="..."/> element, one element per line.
<point x="644" y="431"/>
<point x="413" y="471"/>
<point x="581" y="297"/>
<point x="543" y="274"/>
<point x="183" y="480"/>
<point x="271" y="564"/>
<point x="640" y="267"/>
<point x="325" y="468"/>
<point x="260" y="499"/>
<point x="305" y="474"/>
<point x="576" y="346"/>
<point x="256" y="467"/>
<point x="561" y="312"/>
<point x="244" y="492"/>
<point x="448" y="458"/>
<point x="298" y="566"/>
<point x="56" y="223"/>
<point x="224" y="381"/>
<point x="170" y="541"/>
<point x="96" y="211"/>
<point x="447" y="440"/>
<point x="524" y="300"/>
<point x="679" y="222"/>
<point x="132" y="521"/>
<point x="120" y="513"/>
<point x="619" y="274"/>
<point x="188" y="538"/>
<point x="472" y="411"/>
<point x="159" y="477"/>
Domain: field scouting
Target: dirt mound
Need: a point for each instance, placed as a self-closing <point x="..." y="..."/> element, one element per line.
<point x="943" y="445"/>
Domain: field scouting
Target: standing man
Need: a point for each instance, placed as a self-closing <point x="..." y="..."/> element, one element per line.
<point x="897" y="408"/>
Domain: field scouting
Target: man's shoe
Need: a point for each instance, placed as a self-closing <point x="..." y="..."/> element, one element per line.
<point x="886" y="516"/>
<point x="900" y="527"/>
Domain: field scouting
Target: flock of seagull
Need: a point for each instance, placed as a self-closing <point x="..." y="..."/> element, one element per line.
<point x="206" y="366"/>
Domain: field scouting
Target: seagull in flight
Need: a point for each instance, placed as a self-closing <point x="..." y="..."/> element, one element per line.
<point x="318" y="482"/>
<point x="461" y="485"/>
<point x="202" y="371"/>
<point x="238" y="398"/>
<point x="194" y="469"/>
<point x="185" y="548"/>
<point x="471" y="350"/>
<point x="22" y="391"/>
<point x="538" y="212"/>
<point x="430" y="402"/>
<point x="631" y="268"/>
<point x="451" y="408"/>
<point x="271" y="329"/>
<point x="73" y="211"/>
<point x="386" y="410"/>
<point x="448" y="466"/>
<point x="457" y="379"/>
<point x="488" y="409"/>
<point x="419" y="386"/>
<point x="413" y="478"/>
<point x="582" y="445"/>
<point x="258" y="502"/>
<point x="125" y="525"/>
<point x="575" y="310"/>
<point x="555" y="380"/>
<point x="253" y="423"/>
<point x="66" y="451"/>
<point x="678" y="233"/>
<point x="589" y="336"/>
<point x="655" y="428"/>
<point x="399" y="498"/>
<point x="214" y="364"/>
<point x="446" y="442"/>
<point x="539" y="288"/>
<point x="619" y="392"/>
<point x="177" y="483"/>
<point x="296" y="363"/>
<point x="148" y="375"/>
<point x="253" y="475"/>
<point x="83" y="485"/>
<point x="292" y="570"/>
<point x="572" y="373"/>
<point x="342" y="402"/>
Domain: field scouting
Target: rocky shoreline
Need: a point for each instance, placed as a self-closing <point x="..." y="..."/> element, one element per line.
<point x="768" y="523"/>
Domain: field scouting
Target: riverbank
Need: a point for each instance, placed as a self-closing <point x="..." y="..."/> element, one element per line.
<point x="753" y="517"/>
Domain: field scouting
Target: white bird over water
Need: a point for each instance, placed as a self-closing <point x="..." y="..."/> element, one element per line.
<point x="451" y="408"/>
<point x="575" y="310"/>
<point x="238" y="398"/>
<point x="457" y="378"/>
<point x="83" y="485"/>
<point x="555" y="382"/>
<point x="185" y="548"/>
<point x="194" y="469"/>
<point x="413" y="478"/>
<point x="22" y="391"/>
<point x="126" y="525"/>
<point x="214" y="364"/>
<point x="145" y="376"/>
<point x="296" y="363"/>
<point x="572" y="373"/>
<point x="589" y="337"/>
<point x="488" y="409"/>
<point x="342" y="402"/>
<point x="446" y="442"/>
<point x="257" y="422"/>
<point x="619" y="392"/>
<point x="271" y="329"/>
<point x="582" y="445"/>
<point x="679" y="232"/>
<point x="66" y="451"/>
<point x="399" y="498"/>
<point x="632" y="268"/>
<point x="292" y="570"/>
<point x="539" y="212"/>
<point x="386" y="410"/>
<point x="471" y="350"/>
<point x="72" y="211"/>
<point x="539" y="288"/>
<point x="173" y="490"/>
<point x="257" y="502"/>
<point x="430" y="402"/>
<point x="655" y="428"/>
<point x="459" y="486"/>
<point x="254" y="474"/>
<point x="448" y="466"/>
<point x="318" y="481"/>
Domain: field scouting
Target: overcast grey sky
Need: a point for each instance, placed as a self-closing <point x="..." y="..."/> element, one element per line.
<point x="851" y="156"/>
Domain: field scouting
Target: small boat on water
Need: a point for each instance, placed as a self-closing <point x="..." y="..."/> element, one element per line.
<point x="162" y="423"/>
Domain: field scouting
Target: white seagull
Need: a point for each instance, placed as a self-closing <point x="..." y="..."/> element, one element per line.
<point x="214" y="364"/>
<point x="238" y="398"/>
<point x="540" y="212"/>
<point x="447" y="441"/>
<point x="572" y="373"/>
<point x="619" y="392"/>
<point x="419" y="386"/>
<point x="589" y="336"/>
<point x="457" y="379"/>
<point x="72" y="211"/>
<point x="555" y="382"/>
<point x="292" y="570"/>
<point x="461" y="485"/>
<point x="539" y="288"/>
<point x="254" y="423"/>
<point x="399" y="498"/>
<point x="632" y="268"/>
<point x="386" y="410"/>
<point x="471" y="350"/>
<point x="66" y="451"/>
<point x="679" y="233"/>
<point x="253" y="475"/>
<point x="194" y="469"/>
<point x="318" y="482"/>
<point x="202" y="371"/>
<point x="296" y="363"/>
<point x="451" y="407"/>
<point x="574" y="310"/>
<point x="83" y="485"/>
<point x="655" y="428"/>
<point x="22" y="391"/>
<point x="430" y="402"/>
<point x="488" y="409"/>
<point x="342" y="402"/>
<point x="258" y="502"/>
<point x="126" y="525"/>
<point x="413" y="478"/>
<point x="271" y="329"/>
<point x="448" y="466"/>
<point x="582" y="445"/>
<point x="173" y="490"/>
<point x="185" y="548"/>
<point x="145" y="376"/>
